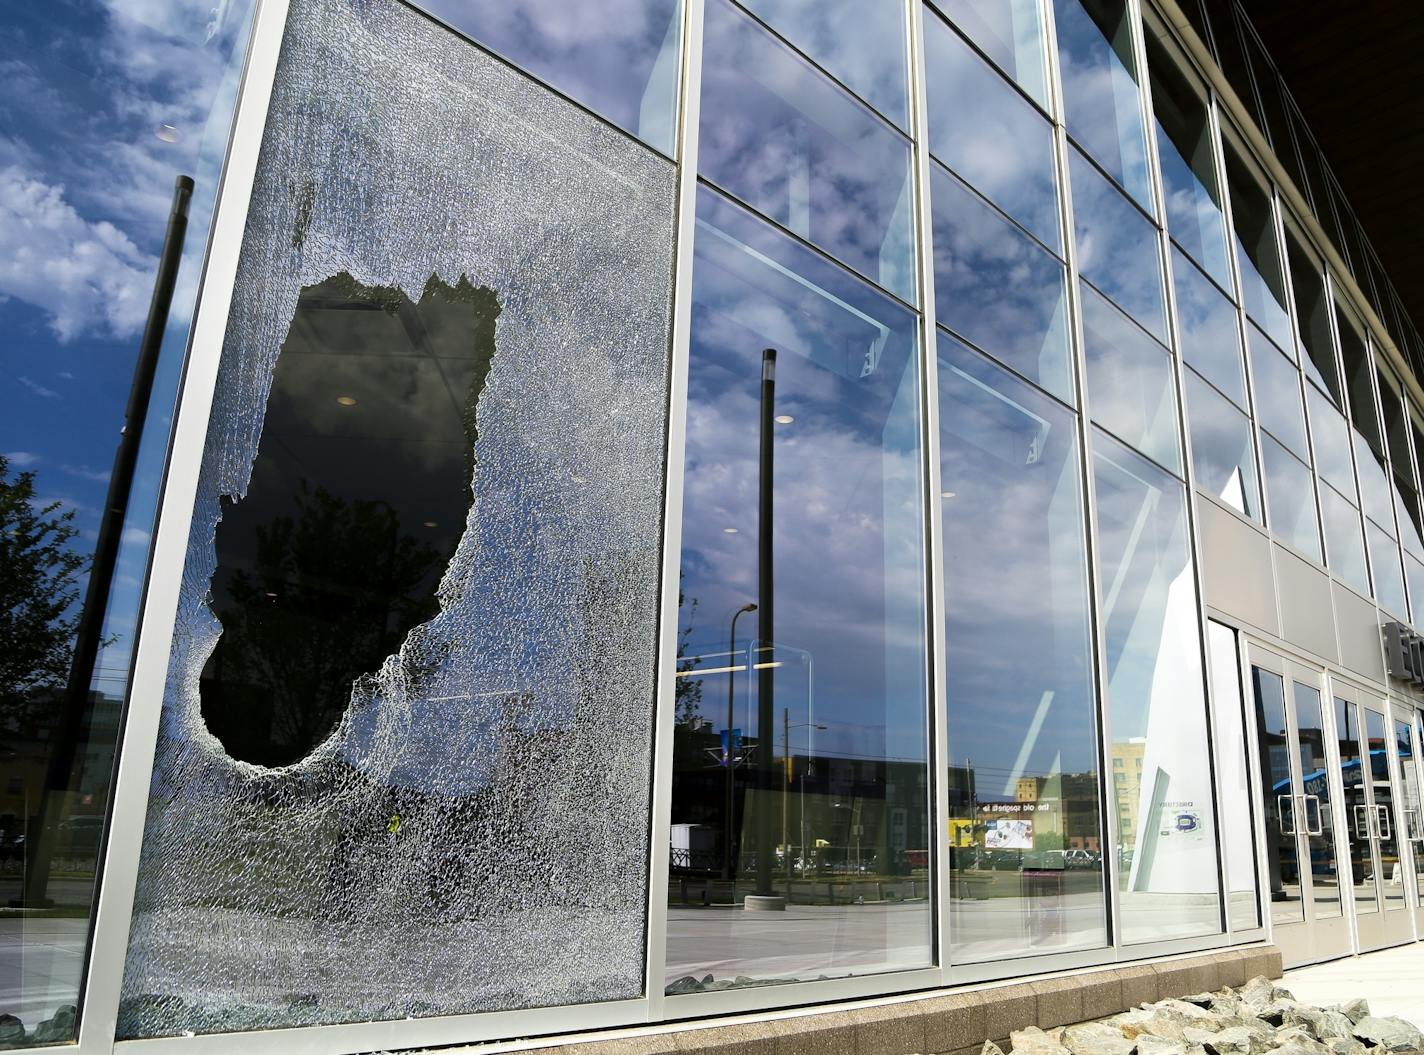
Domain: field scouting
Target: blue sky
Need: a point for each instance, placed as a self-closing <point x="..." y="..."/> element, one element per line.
<point x="106" y="102"/>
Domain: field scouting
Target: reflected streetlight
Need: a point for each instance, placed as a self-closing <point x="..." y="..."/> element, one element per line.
<point x="786" y="728"/>
<point x="728" y="806"/>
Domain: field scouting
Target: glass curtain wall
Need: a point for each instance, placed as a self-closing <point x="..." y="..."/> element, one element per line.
<point x="801" y="783"/>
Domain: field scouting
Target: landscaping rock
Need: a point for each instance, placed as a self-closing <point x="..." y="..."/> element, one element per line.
<point x="1147" y="1044"/>
<point x="58" y="1029"/>
<point x="12" y="1031"/>
<point x="1393" y="1034"/>
<point x="990" y="1048"/>
<point x="1096" y="1038"/>
<point x="1034" y="1041"/>
<point x="1346" y="1046"/>
<point x="1354" y="1010"/>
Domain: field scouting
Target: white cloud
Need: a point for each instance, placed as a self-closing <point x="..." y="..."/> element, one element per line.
<point x="39" y="389"/>
<point x="100" y="476"/>
<point x="88" y="277"/>
<point x="22" y="459"/>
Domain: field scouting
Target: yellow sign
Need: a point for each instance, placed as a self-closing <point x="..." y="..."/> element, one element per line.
<point x="961" y="832"/>
<point x="394" y="826"/>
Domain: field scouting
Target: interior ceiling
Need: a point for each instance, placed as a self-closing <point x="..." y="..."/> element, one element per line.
<point x="1354" y="71"/>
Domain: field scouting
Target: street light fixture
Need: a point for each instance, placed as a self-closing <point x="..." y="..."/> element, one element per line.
<point x="728" y="806"/>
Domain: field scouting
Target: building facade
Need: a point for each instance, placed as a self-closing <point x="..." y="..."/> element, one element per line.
<point x="640" y="512"/>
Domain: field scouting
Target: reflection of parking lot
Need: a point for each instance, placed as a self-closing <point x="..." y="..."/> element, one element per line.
<point x="803" y="941"/>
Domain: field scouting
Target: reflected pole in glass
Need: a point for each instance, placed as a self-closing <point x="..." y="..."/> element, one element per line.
<point x="766" y="685"/>
<point x="729" y="750"/>
<point x="88" y="639"/>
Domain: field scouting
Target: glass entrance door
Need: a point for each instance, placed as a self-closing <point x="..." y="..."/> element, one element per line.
<point x="1386" y="835"/>
<point x="1411" y="811"/>
<point x="1356" y="805"/>
<point x="1301" y="790"/>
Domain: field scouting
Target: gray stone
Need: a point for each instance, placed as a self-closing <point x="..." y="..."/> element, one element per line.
<point x="60" y="1028"/>
<point x="1034" y="1041"/>
<point x="1096" y="1038"/>
<point x="1235" y="1040"/>
<point x="1150" y="1045"/>
<point x="1333" y="1025"/>
<point x="685" y="984"/>
<point x="1184" y="1010"/>
<point x="12" y="1031"/>
<point x="1392" y="1033"/>
<point x="1346" y="1046"/>
<point x="1354" y="1010"/>
<point x="1300" y="1040"/>
<point x="1148" y="1022"/>
<point x="1258" y="992"/>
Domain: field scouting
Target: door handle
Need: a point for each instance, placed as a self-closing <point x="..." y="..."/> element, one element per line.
<point x="1305" y="801"/>
<point x="1382" y="825"/>
<point x="1285" y="806"/>
<point x="1362" y="831"/>
<point x="1411" y="826"/>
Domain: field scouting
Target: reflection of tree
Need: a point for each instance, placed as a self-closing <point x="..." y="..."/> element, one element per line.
<point x="39" y="585"/>
<point x="334" y="591"/>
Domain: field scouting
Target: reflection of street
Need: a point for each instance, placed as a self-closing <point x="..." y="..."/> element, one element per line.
<point x="806" y="941"/>
<point x="40" y="965"/>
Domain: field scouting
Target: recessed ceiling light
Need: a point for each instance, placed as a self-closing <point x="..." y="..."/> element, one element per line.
<point x="729" y="531"/>
<point x="784" y="419"/>
<point x="946" y="494"/>
<point x="271" y="594"/>
<point x="346" y="401"/>
<point x="430" y="523"/>
<point x="167" y="133"/>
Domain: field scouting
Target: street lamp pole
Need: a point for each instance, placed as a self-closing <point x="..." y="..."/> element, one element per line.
<point x="730" y="804"/>
<point x="766" y="634"/>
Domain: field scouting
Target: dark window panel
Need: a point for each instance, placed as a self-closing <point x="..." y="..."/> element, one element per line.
<point x="1257" y="250"/>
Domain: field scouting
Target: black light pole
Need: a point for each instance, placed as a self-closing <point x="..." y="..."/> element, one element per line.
<point x="766" y="633"/>
<point x="106" y="552"/>
<point x="730" y="806"/>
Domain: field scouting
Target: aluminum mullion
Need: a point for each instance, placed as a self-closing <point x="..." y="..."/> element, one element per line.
<point x="936" y="613"/>
<point x="138" y="744"/>
<point x="1164" y="252"/>
<point x="1108" y="816"/>
<point x="662" y="768"/>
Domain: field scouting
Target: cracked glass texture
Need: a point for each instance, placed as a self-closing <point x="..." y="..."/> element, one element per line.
<point x="470" y="832"/>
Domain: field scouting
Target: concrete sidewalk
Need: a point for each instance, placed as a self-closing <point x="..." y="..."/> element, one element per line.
<point x="1391" y="980"/>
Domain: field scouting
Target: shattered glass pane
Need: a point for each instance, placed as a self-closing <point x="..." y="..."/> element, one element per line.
<point x="404" y="762"/>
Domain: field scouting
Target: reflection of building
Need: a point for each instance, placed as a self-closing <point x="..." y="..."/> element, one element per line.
<point x="1127" y="784"/>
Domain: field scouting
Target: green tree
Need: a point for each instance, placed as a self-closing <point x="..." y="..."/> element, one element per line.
<point x="40" y="575"/>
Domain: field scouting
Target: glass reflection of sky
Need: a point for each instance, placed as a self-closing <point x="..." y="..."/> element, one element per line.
<point x="1101" y="101"/>
<point x="1145" y="566"/>
<point x="1117" y="246"/>
<point x="860" y="42"/>
<point x="1262" y="283"/>
<point x="1129" y="381"/>
<point x="989" y="134"/>
<point x="620" y="58"/>
<point x="785" y="139"/>
<point x="1015" y="577"/>
<point x="106" y="102"/>
<point x="1222" y="453"/>
<point x="1189" y="185"/>
<point x="1344" y="543"/>
<point x="1313" y="320"/>
<point x="1277" y="386"/>
<point x="1290" y="499"/>
<point x="1011" y="34"/>
<point x="848" y="540"/>
<point x="1332" y="443"/>
<point x="997" y="287"/>
<point x="1206" y="326"/>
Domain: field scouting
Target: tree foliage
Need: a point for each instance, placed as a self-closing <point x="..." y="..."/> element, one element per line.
<point x="40" y="576"/>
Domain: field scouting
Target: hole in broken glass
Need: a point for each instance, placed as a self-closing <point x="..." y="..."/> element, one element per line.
<point x="359" y="496"/>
